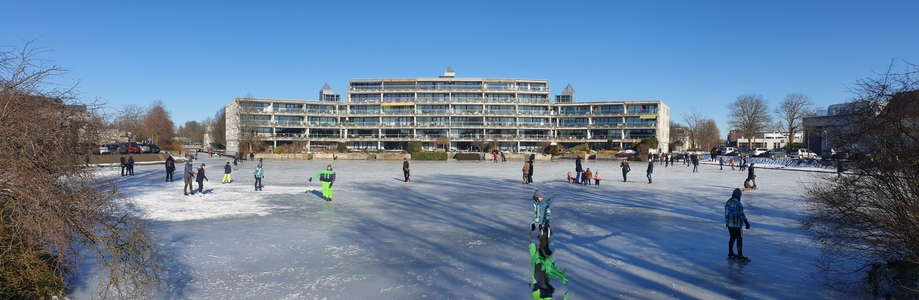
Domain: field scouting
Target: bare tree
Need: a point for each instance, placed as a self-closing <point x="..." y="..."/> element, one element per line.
<point x="130" y="120"/>
<point x="219" y="133"/>
<point x="693" y="119"/>
<point x="479" y="143"/>
<point x="865" y="222"/>
<point x="56" y="215"/>
<point x="246" y="126"/>
<point x="442" y="142"/>
<point x="791" y="113"/>
<point x="157" y="124"/>
<point x="709" y="135"/>
<point x="193" y="130"/>
<point x="749" y="114"/>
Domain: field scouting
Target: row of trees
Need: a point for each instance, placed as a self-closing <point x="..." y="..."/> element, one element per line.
<point x="155" y="122"/>
<point x="702" y="131"/>
<point x="750" y="115"/>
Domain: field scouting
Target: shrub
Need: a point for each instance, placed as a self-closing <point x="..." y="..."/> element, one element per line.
<point x="278" y="150"/>
<point x="430" y="156"/>
<point x="414" y="147"/>
<point x="342" y="147"/>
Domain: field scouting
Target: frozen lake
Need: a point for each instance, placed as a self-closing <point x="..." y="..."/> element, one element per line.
<point x="459" y="231"/>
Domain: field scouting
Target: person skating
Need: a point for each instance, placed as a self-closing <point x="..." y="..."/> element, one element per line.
<point x="405" y="170"/>
<point x="543" y="265"/>
<point x="124" y="164"/>
<point x="625" y="170"/>
<point x="650" y="170"/>
<point x="721" y="163"/>
<point x="530" y="171"/>
<point x="734" y="218"/>
<point x="743" y="164"/>
<point x="751" y="177"/>
<point x="327" y="177"/>
<point x="259" y="174"/>
<point x="695" y="164"/>
<point x="526" y="172"/>
<point x="597" y="178"/>
<point x="189" y="175"/>
<point x="259" y="162"/>
<point x="503" y="159"/>
<point x="226" y="173"/>
<point x="495" y="156"/>
<point x="200" y="179"/>
<point x="578" y="169"/>
<point x="570" y="179"/>
<point x="587" y="176"/>
<point x="170" y="167"/>
<point x="131" y="165"/>
<point x="840" y="169"/>
<point x="251" y="156"/>
<point x="732" y="164"/>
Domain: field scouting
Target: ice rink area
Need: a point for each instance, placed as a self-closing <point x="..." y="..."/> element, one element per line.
<point x="459" y="231"/>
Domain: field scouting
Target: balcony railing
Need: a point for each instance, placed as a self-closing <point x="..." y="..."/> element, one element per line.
<point x="288" y="110"/>
<point x="289" y="123"/>
<point x="364" y="112"/>
<point x="399" y="112"/>
<point x="573" y="125"/>
<point x="642" y="111"/>
<point x="501" y="124"/>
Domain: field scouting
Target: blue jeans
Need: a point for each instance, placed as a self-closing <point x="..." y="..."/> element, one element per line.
<point x="649" y="177"/>
<point x="695" y="168"/>
<point x="578" y="177"/>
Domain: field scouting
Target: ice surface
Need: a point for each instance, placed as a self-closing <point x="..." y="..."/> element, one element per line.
<point x="459" y="231"/>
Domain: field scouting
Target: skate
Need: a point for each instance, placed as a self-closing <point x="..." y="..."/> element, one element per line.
<point x="743" y="258"/>
<point x="732" y="256"/>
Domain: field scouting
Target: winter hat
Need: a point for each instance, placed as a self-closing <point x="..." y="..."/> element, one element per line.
<point x="537" y="195"/>
<point x="737" y="193"/>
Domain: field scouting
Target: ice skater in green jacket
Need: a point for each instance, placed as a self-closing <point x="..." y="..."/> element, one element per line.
<point x="543" y="268"/>
<point x="327" y="177"/>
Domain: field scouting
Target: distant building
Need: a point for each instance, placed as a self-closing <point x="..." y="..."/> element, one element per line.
<point x="385" y="114"/>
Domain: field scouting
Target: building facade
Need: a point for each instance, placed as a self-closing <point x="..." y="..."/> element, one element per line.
<point x="386" y="114"/>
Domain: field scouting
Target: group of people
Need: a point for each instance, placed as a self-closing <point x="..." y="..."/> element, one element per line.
<point x="583" y="175"/>
<point x="503" y="159"/>
<point x="127" y="166"/>
<point x="327" y="176"/>
<point x="528" y="169"/>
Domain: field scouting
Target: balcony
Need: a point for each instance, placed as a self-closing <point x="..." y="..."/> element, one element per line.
<point x="433" y="124"/>
<point x="501" y="124"/>
<point x="569" y="125"/>
<point x="608" y="112"/>
<point x="282" y="110"/>
<point x="321" y="124"/>
<point x="633" y="124"/>
<point x="501" y="112"/>
<point x="642" y="111"/>
<point x="321" y="111"/>
<point x="399" y="112"/>
<point x="361" y="124"/>
<point x="434" y="111"/>
<point x="467" y="112"/>
<point x="288" y="123"/>
<point x="432" y="100"/>
<point x="397" y="124"/>
<point x="573" y="113"/>
<point x="364" y="112"/>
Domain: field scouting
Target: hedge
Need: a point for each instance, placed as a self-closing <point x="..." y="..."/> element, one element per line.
<point x="429" y="156"/>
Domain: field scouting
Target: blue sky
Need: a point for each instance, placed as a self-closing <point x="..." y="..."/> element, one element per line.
<point x="196" y="56"/>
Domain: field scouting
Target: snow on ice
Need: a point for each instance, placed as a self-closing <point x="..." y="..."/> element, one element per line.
<point x="459" y="230"/>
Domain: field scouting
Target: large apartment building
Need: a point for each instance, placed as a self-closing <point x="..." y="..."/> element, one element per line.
<point x="385" y="114"/>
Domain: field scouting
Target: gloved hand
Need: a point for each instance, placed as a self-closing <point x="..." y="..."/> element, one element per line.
<point x="532" y="226"/>
<point x="330" y="184"/>
<point x="311" y="179"/>
<point x="748" y="225"/>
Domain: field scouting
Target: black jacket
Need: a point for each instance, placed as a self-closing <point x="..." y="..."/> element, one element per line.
<point x="201" y="176"/>
<point x="405" y="165"/>
<point x="650" y="167"/>
<point x="227" y="169"/>
<point x="131" y="161"/>
<point x="170" y="164"/>
<point x="577" y="165"/>
<point x="750" y="173"/>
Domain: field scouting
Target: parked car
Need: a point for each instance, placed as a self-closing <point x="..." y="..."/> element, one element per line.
<point x="837" y="154"/>
<point x="801" y="153"/>
<point x="154" y="149"/>
<point x="112" y="148"/>
<point x="102" y="149"/>
<point x="717" y="151"/>
<point x="144" y="148"/>
<point x="626" y="153"/>
<point x="730" y="151"/>
<point x="776" y="153"/>
<point x="130" y="147"/>
<point x="759" y="152"/>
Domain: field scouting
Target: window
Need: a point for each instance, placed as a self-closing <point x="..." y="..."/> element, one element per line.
<point x="643" y="109"/>
<point x="365" y="98"/>
<point x="360" y="86"/>
<point x="398" y="97"/>
<point x="610" y="109"/>
<point x="572" y="122"/>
